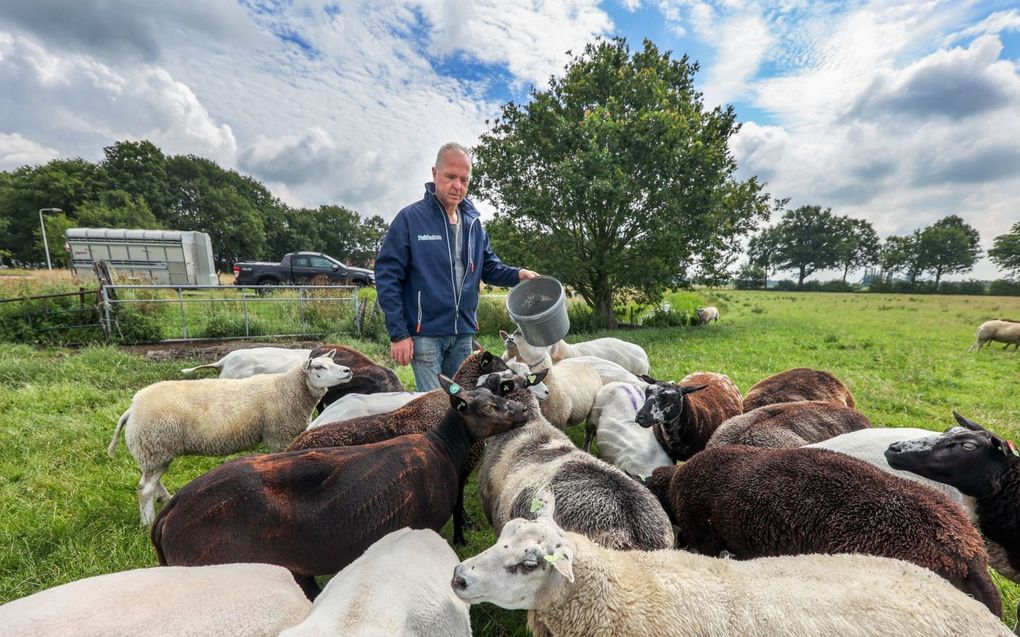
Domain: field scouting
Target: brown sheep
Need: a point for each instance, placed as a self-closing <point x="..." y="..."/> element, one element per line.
<point x="756" y="502"/>
<point x="799" y="383"/>
<point x="788" y="425"/>
<point x="684" y="415"/>
<point x="369" y="376"/>
<point x="315" y="511"/>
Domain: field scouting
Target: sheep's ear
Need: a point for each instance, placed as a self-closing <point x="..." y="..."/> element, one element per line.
<point x="1006" y="447"/>
<point x="506" y="387"/>
<point x="690" y="389"/>
<point x="476" y="345"/>
<point x="453" y="389"/>
<point x="969" y="424"/>
<point x="648" y="379"/>
<point x="543" y="503"/>
<point x="503" y="334"/>
<point x="331" y="353"/>
<point x="487" y="358"/>
<point x="308" y="364"/>
<point x="562" y="559"/>
<point x="537" y="377"/>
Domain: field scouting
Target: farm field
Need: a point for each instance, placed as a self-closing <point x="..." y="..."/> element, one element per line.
<point x="68" y="511"/>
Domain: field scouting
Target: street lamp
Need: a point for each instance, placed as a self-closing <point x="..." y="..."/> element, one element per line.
<point x="43" y="226"/>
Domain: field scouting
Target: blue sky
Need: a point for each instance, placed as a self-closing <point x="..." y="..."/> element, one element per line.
<point x="897" y="112"/>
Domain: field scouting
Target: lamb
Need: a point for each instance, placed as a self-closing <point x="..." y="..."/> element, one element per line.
<point x="577" y="588"/>
<point x="315" y="511"/>
<point x="684" y="416"/>
<point x="215" y="601"/>
<point x="788" y="425"/>
<point x="357" y="405"/>
<point x="244" y="363"/>
<point x="799" y="383"/>
<point x="707" y="314"/>
<point x="756" y="502"/>
<point x="596" y="498"/>
<point x="622" y="443"/>
<point x="417" y="416"/>
<point x="869" y="445"/>
<point x="218" y="416"/>
<point x="572" y="390"/>
<point x="399" y="586"/>
<point x="1000" y="331"/>
<point x="628" y="355"/>
<point x="369" y="376"/>
<point x="981" y="465"/>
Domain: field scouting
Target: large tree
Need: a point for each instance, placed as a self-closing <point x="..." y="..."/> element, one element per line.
<point x="1005" y="252"/>
<point x="899" y="254"/>
<point x="617" y="180"/>
<point x="806" y="240"/>
<point x="858" y="245"/>
<point x="948" y="246"/>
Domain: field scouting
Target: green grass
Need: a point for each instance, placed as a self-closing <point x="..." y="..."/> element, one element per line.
<point x="68" y="511"/>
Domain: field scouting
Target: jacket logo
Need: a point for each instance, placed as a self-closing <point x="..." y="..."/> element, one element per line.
<point x="430" y="237"/>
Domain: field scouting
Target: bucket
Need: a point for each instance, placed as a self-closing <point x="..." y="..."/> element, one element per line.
<point x="539" y="307"/>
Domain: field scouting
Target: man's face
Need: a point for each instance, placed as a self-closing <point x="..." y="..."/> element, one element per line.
<point x="452" y="176"/>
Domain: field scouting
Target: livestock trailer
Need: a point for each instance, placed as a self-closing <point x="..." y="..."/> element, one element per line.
<point x="166" y="257"/>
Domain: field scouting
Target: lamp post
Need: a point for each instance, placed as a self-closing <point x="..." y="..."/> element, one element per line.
<point x="49" y="265"/>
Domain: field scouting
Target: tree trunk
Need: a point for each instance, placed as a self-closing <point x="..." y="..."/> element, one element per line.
<point x="846" y="271"/>
<point x="800" y="280"/>
<point x="603" y="293"/>
<point x="938" y="277"/>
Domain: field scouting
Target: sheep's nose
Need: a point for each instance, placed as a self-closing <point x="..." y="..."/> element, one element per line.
<point x="458" y="583"/>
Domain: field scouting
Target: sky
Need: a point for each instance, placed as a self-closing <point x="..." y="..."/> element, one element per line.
<point x="896" y="112"/>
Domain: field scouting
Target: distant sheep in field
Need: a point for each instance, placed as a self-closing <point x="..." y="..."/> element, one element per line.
<point x="684" y="415"/>
<point x="1000" y="331"/>
<point x="707" y="314"/>
<point x="788" y="425"/>
<point x="799" y="383"/>
<point x="756" y="502"/>
<point x="225" y="600"/>
<point x="243" y="363"/>
<point x="218" y="416"/>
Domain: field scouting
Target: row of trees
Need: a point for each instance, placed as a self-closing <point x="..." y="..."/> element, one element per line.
<point x="137" y="186"/>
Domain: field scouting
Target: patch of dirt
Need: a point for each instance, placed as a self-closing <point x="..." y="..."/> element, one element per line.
<point x="206" y="350"/>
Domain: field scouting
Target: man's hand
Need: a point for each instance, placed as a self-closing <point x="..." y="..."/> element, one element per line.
<point x="402" y="351"/>
<point x="524" y="275"/>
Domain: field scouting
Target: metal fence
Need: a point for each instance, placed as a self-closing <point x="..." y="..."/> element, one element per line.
<point x="248" y="299"/>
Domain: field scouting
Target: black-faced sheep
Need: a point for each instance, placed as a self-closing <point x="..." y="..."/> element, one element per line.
<point x="981" y="465"/>
<point x="756" y="502"/>
<point x="799" y="383"/>
<point x="576" y="588"/>
<point x="622" y="442"/>
<point x="315" y="511"/>
<point x="369" y="376"/>
<point x="684" y="415"/>
<point x="218" y="416"/>
<point x="788" y="425"/>
<point x="1000" y="331"/>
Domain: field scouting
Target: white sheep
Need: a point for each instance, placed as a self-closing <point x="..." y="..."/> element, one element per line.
<point x="213" y="601"/>
<point x="707" y="314"/>
<point x="243" y="363"/>
<point x="610" y="372"/>
<point x="399" y="586"/>
<point x="628" y="355"/>
<point x="572" y="389"/>
<point x="576" y="588"/>
<point x="870" y="445"/>
<point x="218" y="416"/>
<point x="1000" y="331"/>
<point x="357" y="405"/>
<point x="622" y="442"/>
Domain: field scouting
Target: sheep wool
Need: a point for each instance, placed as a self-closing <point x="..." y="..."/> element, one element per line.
<point x="800" y="383"/>
<point x="788" y="425"/>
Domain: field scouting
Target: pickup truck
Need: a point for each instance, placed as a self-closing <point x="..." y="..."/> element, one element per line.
<point x="300" y="268"/>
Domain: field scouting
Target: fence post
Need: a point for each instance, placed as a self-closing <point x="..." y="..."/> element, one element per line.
<point x="107" y="326"/>
<point x="184" y="323"/>
<point x="302" y="302"/>
<point x="359" y="320"/>
<point x="244" y="304"/>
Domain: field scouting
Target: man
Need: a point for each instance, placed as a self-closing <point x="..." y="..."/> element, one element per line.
<point x="428" y="272"/>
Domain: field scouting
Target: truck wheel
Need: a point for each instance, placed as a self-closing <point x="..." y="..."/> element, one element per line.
<point x="265" y="281"/>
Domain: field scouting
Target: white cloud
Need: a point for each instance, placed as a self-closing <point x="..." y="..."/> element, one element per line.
<point x="16" y="151"/>
<point x="994" y="24"/>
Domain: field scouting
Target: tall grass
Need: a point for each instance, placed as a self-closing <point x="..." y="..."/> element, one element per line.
<point x="68" y="511"/>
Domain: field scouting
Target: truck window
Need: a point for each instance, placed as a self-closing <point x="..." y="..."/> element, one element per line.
<point x="321" y="262"/>
<point x="299" y="262"/>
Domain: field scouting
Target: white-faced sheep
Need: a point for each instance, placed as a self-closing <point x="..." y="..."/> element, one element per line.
<point x="358" y="405"/>
<point x="224" y="600"/>
<point x="572" y="390"/>
<point x="799" y="383"/>
<point x="707" y="314"/>
<point x="755" y="502"/>
<point x="997" y="330"/>
<point x="981" y="465"/>
<point x="684" y="415"/>
<point x="596" y="498"/>
<point x="788" y="425"/>
<point x="576" y="588"/>
<point x="399" y="586"/>
<point x="369" y="376"/>
<point x="630" y="356"/>
<point x="870" y="445"/>
<point x="242" y="363"/>
<point x="218" y="416"/>
<point x="622" y="442"/>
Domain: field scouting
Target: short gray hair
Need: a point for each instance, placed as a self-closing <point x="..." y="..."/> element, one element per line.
<point x="447" y="147"/>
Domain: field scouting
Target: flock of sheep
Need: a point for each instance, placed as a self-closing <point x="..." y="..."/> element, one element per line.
<point x="793" y="515"/>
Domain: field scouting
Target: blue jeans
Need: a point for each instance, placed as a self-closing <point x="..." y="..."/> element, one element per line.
<point x="435" y="354"/>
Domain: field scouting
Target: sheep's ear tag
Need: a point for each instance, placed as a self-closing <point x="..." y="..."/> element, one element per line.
<point x="532" y="379"/>
<point x="454" y="388"/>
<point x="642" y="476"/>
<point x="552" y="558"/>
<point x="536" y="505"/>
<point x="1012" y="448"/>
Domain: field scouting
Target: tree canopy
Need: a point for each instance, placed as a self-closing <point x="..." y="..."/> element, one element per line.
<point x="948" y="246"/>
<point x="1005" y="252"/>
<point x="617" y="180"/>
<point x="807" y="239"/>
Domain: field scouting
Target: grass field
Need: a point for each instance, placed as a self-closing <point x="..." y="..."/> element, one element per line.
<point x="68" y="511"/>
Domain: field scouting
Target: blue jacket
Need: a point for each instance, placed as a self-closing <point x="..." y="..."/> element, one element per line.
<point x="414" y="271"/>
